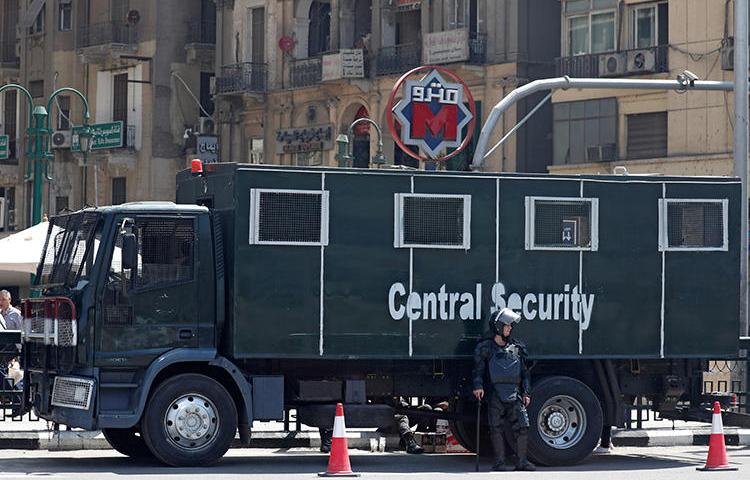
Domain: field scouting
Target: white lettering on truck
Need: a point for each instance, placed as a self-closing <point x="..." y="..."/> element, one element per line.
<point x="444" y="305"/>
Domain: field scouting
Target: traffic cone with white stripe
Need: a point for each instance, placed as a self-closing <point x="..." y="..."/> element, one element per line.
<point x="338" y="461"/>
<point x="717" y="450"/>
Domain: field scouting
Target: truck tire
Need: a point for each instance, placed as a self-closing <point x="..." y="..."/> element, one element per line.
<point x="127" y="441"/>
<point x="464" y="431"/>
<point x="190" y="421"/>
<point x="566" y="421"/>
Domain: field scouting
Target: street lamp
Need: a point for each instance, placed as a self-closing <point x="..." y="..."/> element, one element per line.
<point x="84" y="140"/>
<point x="344" y="144"/>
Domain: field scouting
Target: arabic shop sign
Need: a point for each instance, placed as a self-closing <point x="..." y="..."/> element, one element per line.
<point x="207" y="148"/>
<point x="347" y="63"/>
<point x="432" y="114"/>
<point x="446" y="47"/>
<point x="103" y="136"/>
<point x="304" y="139"/>
<point x="4" y="147"/>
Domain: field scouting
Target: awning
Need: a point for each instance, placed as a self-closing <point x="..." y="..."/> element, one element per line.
<point x="22" y="251"/>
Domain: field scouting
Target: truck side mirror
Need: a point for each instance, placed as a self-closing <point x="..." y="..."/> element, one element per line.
<point x="129" y="252"/>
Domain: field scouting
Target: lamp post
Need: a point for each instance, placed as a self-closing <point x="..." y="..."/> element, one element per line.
<point x="344" y="143"/>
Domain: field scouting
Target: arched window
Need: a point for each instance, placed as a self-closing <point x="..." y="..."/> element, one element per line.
<point x="319" y="35"/>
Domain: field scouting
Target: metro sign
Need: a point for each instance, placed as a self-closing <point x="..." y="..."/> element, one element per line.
<point x="432" y="115"/>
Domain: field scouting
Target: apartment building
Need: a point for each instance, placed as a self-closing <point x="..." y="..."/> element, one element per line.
<point x="294" y="74"/>
<point x="648" y="132"/>
<point x="145" y="68"/>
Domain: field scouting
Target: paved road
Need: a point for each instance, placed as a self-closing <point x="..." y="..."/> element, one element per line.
<point x="653" y="463"/>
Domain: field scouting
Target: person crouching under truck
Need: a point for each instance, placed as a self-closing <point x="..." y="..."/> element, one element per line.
<point x="502" y="358"/>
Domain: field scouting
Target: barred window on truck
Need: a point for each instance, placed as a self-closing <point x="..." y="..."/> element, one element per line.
<point x="693" y="224"/>
<point x="288" y="217"/>
<point x="562" y="223"/>
<point x="432" y="221"/>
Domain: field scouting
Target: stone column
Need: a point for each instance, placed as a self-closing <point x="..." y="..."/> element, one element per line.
<point x="335" y="41"/>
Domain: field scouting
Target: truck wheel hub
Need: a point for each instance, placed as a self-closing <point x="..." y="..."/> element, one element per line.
<point x="191" y="422"/>
<point x="562" y="422"/>
<point x="557" y="421"/>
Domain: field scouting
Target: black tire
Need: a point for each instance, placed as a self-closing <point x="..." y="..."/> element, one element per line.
<point x="190" y="421"/>
<point x="127" y="441"/>
<point x="572" y="435"/>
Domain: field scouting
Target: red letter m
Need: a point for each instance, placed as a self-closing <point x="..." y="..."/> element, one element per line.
<point x="446" y="120"/>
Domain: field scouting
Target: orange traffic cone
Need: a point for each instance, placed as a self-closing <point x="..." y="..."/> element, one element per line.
<point x="717" y="450"/>
<point x="338" y="461"/>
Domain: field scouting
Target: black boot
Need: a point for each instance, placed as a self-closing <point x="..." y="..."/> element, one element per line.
<point x="498" y="446"/>
<point x="411" y="445"/>
<point x="326" y="438"/>
<point x="523" y="463"/>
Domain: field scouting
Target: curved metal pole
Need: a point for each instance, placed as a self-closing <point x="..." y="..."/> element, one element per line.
<point x="14" y="86"/>
<point x="593" y="83"/>
<point x="57" y="92"/>
<point x="351" y="131"/>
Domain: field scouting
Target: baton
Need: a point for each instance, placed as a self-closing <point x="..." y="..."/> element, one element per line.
<point x="479" y="418"/>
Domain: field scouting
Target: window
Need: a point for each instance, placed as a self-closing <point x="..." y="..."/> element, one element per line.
<point x="165" y="251"/>
<point x="65" y="15"/>
<point x="585" y="131"/>
<point x="590" y="26"/>
<point x="288" y="217"/>
<point x="205" y="94"/>
<point x="432" y="221"/>
<point x="561" y="223"/>
<point x="120" y="98"/>
<point x="647" y="135"/>
<point x="9" y="126"/>
<point x="61" y="204"/>
<point x="649" y="25"/>
<point x="7" y="209"/>
<point x="38" y="25"/>
<point x="693" y="224"/>
<point x="36" y="88"/>
<point x="258" y="33"/>
<point x="63" y="112"/>
<point x="119" y="190"/>
<point x="319" y="35"/>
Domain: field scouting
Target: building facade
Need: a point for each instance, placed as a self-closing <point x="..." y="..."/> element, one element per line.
<point x="667" y="132"/>
<point x="144" y="66"/>
<point x="294" y="74"/>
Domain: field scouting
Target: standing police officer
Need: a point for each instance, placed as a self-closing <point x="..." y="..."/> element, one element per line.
<point x="501" y="359"/>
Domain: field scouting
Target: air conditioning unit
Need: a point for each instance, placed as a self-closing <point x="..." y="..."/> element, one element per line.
<point x="61" y="139"/>
<point x="206" y="126"/>
<point x="611" y="64"/>
<point x="601" y="153"/>
<point x="641" y="61"/>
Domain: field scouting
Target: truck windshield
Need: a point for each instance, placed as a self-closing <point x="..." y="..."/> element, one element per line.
<point x="69" y="250"/>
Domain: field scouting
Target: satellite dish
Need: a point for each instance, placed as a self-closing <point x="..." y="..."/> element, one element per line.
<point x="133" y="17"/>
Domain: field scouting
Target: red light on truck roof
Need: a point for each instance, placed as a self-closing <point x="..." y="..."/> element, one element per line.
<point x="196" y="166"/>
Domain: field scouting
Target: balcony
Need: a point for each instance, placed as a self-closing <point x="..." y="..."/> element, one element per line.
<point x="242" y="78"/>
<point x="101" y="41"/>
<point x="477" y="48"/>
<point x="638" y="61"/>
<point x="8" y="58"/>
<point x="398" y="59"/>
<point x="306" y="72"/>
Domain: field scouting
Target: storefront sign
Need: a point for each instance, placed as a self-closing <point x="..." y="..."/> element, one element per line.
<point x="103" y="136"/>
<point x="347" y="63"/>
<point x="304" y="139"/>
<point x="4" y="147"/>
<point x="432" y="114"/>
<point x="408" y="5"/>
<point x="446" y="47"/>
<point x="207" y="148"/>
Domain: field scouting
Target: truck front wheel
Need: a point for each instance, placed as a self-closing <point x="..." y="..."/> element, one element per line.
<point x="566" y="421"/>
<point x="127" y="441"/>
<point x="190" y="420"/>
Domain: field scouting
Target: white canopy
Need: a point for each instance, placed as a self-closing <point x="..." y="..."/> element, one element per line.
<point x="22" y="251"/>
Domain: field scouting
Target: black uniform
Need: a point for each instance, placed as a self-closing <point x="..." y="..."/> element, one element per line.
<point x="505" y="370"/>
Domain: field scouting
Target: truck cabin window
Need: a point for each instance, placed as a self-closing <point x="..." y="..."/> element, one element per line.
<point x="70" y="250"/>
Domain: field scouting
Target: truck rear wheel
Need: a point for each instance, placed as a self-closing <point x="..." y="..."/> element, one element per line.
<point x="566" y="421"/>
<point x="127" y="441"/>
<point x="190" y="421"/>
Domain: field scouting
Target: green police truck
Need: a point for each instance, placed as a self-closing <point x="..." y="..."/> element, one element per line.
<point x="174" y="326"/>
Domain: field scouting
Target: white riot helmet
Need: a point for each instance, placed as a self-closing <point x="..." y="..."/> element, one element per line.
<point x="506" y="316"/>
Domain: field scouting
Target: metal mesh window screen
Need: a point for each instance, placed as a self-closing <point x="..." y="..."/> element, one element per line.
<point x="561" y="224"/>
<point x="289" y="217"/>
<point x="695" y="224"/>
<point x="69" y="244"/>
<point x="165" y="251"/>
<point x="433" y="221"/>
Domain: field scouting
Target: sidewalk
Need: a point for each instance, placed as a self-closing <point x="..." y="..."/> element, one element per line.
<point x="38" y="435"/>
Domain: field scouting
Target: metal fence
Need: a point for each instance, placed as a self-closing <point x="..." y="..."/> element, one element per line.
<point x="200" y="31"/>
<point x="242" y="77"/>
<point x="588" y="66"/>
<point x="398" y="59"/>
<point x="105" y="33"/>
<point x="477" y="48"/>
<point x="306" y="72"/>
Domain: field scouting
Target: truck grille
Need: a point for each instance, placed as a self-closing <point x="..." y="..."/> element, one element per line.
<point x="72" y="392"/>
<point x="51" y="321"/>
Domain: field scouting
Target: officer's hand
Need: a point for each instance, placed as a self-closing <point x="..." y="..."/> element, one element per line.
<point x="526" y="400"/>
<point x="479" y="393"/>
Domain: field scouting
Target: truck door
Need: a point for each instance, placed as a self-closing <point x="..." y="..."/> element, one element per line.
<point x="153" y="306"/>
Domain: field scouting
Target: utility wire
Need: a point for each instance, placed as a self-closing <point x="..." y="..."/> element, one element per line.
<point x="190" y="92"/>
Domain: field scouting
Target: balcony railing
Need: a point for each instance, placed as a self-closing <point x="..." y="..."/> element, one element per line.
<point x="106" y="33"/>
<point x="623" y="63"/>
<point x="477" y="48"/>
<point x="202" y="32"/>
<point x="8" y="56"/>
<point x="397" y="59"/>
<point x="243" y="77"/>
<point x="306" y="72"/>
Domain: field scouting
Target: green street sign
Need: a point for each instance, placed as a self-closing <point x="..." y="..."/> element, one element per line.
<point x="104" y="136"/>
<point x="4" y="147"/>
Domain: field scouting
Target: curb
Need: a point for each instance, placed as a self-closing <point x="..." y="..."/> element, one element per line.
<point x="79" y="440"/>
